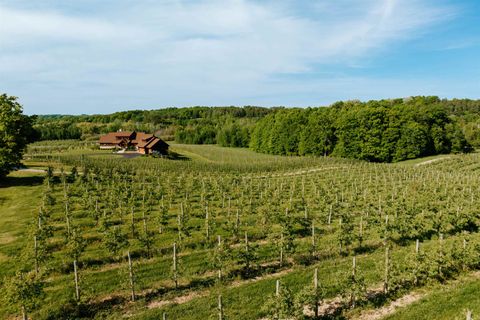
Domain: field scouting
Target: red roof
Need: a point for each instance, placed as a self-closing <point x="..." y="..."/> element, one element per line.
<point x="115" y="137"/>
<point x="155" y="142"/>
<point x="141" y="138"/>
<point x="124" y="134"/>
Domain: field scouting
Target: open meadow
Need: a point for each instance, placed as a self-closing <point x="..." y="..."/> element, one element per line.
<point x="227" y="233"/>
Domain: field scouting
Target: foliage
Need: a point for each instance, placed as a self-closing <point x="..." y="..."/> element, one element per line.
<point x="279" y="305"/>
<point x="309" y="297"/>
<point x="420" y="201"/>
<point x="75" y="245"/>
<point x="115" y="240"/>
<point x="378" y="131"/>
<point x="230" y="126"/>
<point x="16" y="131"/>
<point x="23" y="291"/>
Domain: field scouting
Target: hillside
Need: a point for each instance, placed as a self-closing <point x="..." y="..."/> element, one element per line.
<point x="298" y="214"/>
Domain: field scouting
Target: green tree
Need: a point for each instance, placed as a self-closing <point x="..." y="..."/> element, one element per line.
<point x="280" y="305"/>
<point x="115" y="240"/>
<point x="15" y="132"/>
<point x="23" y="291"/>
<point x="310" y="296"/>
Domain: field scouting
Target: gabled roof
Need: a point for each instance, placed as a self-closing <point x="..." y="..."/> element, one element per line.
<point x="124" y="134"/>
<point x="142" y="138"/>
<point x="115" y="137"/>
<point x="155" y="142"/>
<point x="108" y="138"/>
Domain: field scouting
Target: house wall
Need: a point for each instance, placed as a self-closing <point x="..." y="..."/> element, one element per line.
<point x="107" y="146"/>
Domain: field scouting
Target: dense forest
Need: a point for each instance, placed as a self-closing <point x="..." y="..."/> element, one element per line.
<point x="228" y="126"/>
<point x="378" y="131"/>
<point x="384" y="130"/>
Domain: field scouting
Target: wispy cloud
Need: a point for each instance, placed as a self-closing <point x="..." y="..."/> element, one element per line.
<point x="195" y="52"/>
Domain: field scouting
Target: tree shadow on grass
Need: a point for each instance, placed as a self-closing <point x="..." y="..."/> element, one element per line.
<point x="10" y="181"/>
<point x="176" y="156"/>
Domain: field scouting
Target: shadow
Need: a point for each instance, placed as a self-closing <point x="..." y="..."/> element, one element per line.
<point x="176" y="156"/>
<point x="84" y="310"/>
<point x="367" y="248"/>
<point x="21" y="181"/>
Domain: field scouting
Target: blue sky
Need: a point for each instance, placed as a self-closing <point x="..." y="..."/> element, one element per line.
<point x="89" y="56"/>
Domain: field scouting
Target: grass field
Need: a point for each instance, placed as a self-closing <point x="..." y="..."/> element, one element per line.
<point x="451" y="302"/>
<point x="275" y="200"/>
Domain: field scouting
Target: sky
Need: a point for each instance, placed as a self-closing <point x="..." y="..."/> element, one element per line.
<point x="90" y="56"/>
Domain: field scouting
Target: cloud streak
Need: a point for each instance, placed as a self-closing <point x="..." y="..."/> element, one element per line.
<point x="194" y="52"/>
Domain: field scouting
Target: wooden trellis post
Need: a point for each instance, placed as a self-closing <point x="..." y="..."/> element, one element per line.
<point x="36" y="253"/>
<point x="469" y="315"/>
<point x="207" y="222"/>
<point x="220" y="308"/>
<point x="133" y="223"/>
<point x="354" y="271"/>
<point x="77" y="287"/>
<point x="130" y="272"/>
<point x="219" y="239"/>
<point x="314" y="241"/>
<point x="175" y="273"/>
<point x="281" y="248"/>
<point x="315" y="287"/>
<point x="417" y="252"/>
<point x="387" y="269"/>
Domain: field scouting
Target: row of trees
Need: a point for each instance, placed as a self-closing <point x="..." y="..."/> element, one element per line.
<point x="437" y="125"/>
<point x="232" y="126"/>
<point x="266" y="225"/>
<point x="378" y="131"/>
<point x="194" y="125"/>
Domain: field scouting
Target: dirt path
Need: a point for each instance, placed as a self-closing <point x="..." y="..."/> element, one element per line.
<point x="32" y="170"/>
<point x="430" y="161"/>
<point x="405" y="301"/>
<point x="203" y="293"/>
<point x="43" y="171"/>
<point x="298" y="173"/>
<point x="178" y="300"/>
<point x="391" y="308"/>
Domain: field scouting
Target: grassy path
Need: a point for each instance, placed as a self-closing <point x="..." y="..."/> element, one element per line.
<point x="20" y="194"/>
<point x="445" y="302"/>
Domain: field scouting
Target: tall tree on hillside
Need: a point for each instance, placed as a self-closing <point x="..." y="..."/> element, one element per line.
<point x="15" y="132"/>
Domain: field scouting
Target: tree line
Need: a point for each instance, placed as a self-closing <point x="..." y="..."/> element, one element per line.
<point x="192" y="125"/>
<point x="383" y="131"/>
<point x="377" y="131"/>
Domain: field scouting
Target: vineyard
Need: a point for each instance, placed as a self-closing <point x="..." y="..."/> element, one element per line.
<point x="224" y="233"/>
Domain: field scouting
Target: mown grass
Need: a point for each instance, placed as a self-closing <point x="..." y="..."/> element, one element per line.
<point x="20" y="195"/>
<point x="450" y="302"/>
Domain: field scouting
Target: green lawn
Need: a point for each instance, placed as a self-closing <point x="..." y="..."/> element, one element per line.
<point x="20" y="196"/>
<point x="449" y="303"/>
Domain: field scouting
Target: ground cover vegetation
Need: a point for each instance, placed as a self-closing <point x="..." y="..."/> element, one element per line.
<point x="232" y="234"/>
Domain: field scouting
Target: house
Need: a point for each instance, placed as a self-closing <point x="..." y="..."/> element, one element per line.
<point x="152" y="146"/>
<point x="141" y="142"/>
<point x="113" y="140"/>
